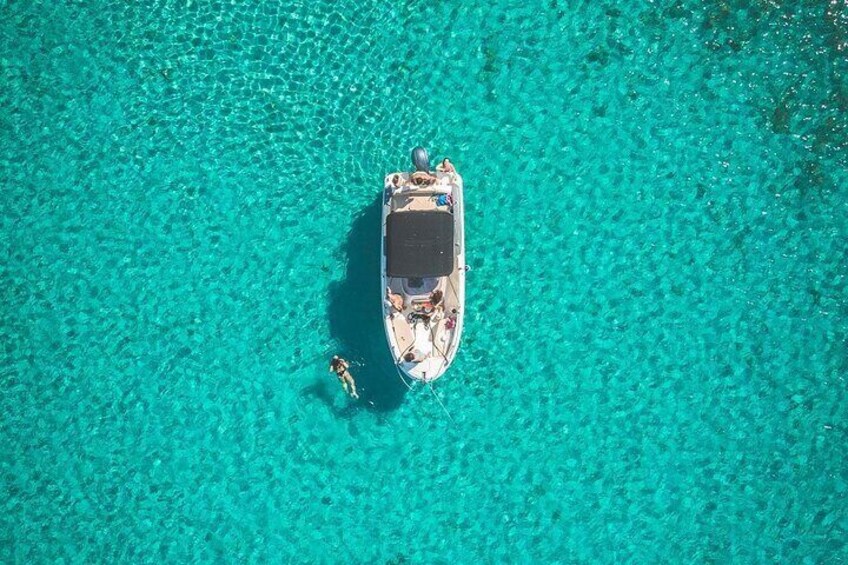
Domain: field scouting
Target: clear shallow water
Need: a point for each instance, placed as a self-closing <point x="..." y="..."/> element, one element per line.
<point x="655" y="357"/>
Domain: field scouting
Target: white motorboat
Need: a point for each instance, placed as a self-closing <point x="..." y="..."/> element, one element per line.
<point x="423" y="267"/>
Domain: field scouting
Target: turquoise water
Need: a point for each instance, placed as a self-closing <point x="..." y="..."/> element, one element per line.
<point x="655" y="355"/>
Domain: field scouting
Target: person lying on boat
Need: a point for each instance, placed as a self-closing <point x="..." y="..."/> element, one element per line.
<point x="446" y="166"/>
<point x="422" y="178"/>
<point x="341" y="366"/>
<point x="413" y="357"/>
<point x="395" y="300"/>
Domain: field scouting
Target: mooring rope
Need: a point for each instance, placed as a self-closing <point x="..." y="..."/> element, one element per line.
<point x="430" y="385"/>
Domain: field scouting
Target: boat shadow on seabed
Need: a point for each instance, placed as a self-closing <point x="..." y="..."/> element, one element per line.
<point x="355" y="316"/>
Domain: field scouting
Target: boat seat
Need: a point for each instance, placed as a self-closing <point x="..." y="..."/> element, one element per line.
<point x="402" y="331"/>
<point x="428" y="285"/>
<point x="431" y="190"/>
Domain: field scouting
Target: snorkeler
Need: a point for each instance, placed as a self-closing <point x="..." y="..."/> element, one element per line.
<point x="341" y="366"/>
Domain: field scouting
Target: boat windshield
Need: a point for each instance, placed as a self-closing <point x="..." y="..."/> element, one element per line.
<point x="419" y="244"/>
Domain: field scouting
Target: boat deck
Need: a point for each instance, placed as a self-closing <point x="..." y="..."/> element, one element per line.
<point x="417" y="310"/>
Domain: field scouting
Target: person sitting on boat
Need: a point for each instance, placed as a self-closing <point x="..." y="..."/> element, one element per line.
<point x="450" y="323"/>
<point x="397" y="182"/>
<point x="395" y="300"/>
<point x="341" y="366"/>
<point x="446" y="166"/>
<point x="436" y="297"/>
<point x="395" y="185"/>
<point x="432" y="303"/>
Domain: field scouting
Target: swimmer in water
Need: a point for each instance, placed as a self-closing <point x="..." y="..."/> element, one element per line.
<point x="340" y="367"/>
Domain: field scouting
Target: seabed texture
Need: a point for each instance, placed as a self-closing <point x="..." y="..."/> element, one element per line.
<point x="654" y="361"/>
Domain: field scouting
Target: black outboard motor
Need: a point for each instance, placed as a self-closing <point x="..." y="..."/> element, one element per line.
<point x="420" y="159"/>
